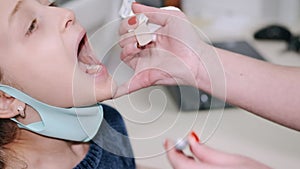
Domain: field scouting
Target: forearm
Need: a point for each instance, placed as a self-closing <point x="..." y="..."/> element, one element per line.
<point x="268" y="90"/>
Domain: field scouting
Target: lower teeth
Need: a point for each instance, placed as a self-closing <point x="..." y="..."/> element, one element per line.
<point x="93" y="69"/>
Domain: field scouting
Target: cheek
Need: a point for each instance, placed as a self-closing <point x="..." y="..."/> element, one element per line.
<point x="43" y="71"/>
<point x="46" y="80"/>
<point x="51" y="87"/>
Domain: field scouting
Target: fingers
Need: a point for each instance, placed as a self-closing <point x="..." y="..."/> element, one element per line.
<point x="207" y="154"/>
<point x="127" y="39"/>
<point x="129" y="51"/>
<point x="178" y="159"/>
<point x="156" y="15"/>
<point x="207" y="158"/>
<point x="148" y="76"/>
<point x="138" y="81"/>
<point x="128" y="24"/>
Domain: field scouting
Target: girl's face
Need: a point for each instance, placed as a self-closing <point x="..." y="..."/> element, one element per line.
<point x="44" y="52"/>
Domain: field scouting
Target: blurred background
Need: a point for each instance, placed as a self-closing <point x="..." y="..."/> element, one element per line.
<point x="223" y="14"/>
<point x="281" y="11"/>
<point x="217" y="14"/>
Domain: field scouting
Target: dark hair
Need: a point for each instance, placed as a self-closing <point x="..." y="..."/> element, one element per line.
<point x="8" y="132"/>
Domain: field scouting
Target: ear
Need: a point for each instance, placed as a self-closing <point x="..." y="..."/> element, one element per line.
<point x="9" y="106"/>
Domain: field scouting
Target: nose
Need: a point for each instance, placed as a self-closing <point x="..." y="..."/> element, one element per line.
<point x="68" y="19"/>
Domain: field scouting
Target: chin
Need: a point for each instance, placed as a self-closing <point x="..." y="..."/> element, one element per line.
<point x="93" y="82"/>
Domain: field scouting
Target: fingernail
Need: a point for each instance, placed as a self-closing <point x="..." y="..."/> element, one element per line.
<point x="132" y="20"/>
<point x="135" y="3"/>
<point x="194" y="135"/>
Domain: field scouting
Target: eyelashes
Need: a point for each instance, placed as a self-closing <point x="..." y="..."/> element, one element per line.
<point x="34" y="23"/>
<point x="32" y="27"/>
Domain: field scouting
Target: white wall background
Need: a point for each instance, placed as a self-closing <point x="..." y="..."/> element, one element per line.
<point x="283" y="11"/>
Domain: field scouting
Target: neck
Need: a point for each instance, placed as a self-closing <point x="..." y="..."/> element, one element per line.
<point x="38" y="151"/>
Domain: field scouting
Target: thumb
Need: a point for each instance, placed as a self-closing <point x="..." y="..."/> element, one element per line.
<point x="138" y="81"/>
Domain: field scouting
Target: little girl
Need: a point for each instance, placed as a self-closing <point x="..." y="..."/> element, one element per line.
<point x="49" y="78"/>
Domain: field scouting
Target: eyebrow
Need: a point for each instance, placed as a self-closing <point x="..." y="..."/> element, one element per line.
<point x="15" y="9"/>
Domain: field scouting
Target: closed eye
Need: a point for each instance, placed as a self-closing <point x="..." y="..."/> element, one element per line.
<point x="32" y="27"/>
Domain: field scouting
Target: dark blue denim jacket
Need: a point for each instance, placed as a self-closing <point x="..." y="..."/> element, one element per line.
<point x="99" y="158"/>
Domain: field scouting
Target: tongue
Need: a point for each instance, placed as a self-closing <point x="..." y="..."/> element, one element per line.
<point x="87" y="62"/>
<point x="86" y="59"/>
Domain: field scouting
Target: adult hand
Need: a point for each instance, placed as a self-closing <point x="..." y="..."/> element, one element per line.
<point x="205" y="157"/>
<point x="173" y="58"/>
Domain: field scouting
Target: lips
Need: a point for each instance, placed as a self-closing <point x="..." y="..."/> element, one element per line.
<point x="86" y="58"/>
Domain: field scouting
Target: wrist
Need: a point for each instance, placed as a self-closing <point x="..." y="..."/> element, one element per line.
<point x="210" y="74"/>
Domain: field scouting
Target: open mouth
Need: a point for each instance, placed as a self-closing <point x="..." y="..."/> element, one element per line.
<point x="86" y="58"/>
